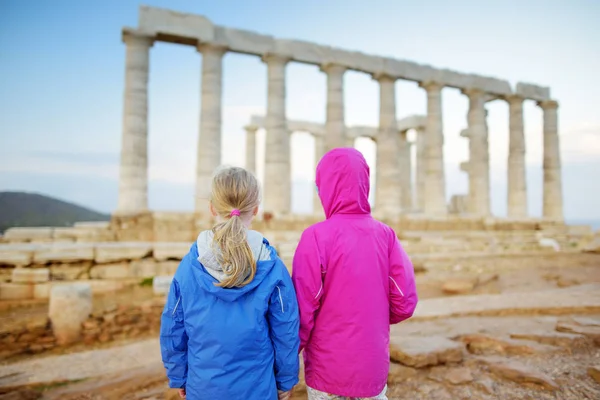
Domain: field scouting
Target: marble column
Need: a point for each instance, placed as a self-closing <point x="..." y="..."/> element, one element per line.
<point x="420" y="175"/>
<point x="319" y="153"/>
<point x="209" y="139"/>
<point x="517" y="181"/>
<point x="388" y="195"/>
<point x="405" y="172"/>
<point x="334" y="126"/>
<point x="277" y="185"/>
<point x="553" y="196"/>
<point x="133" y="173"/>
<point x="251" y="147"/>
<point x="435" y="181"/>
<point x="479" y="157"/>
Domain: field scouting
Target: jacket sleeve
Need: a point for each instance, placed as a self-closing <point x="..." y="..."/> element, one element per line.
<point x="283" y="324"/>
<point x="308" y="281"/>
<point x="174" y="339"/>
<point x="403" y="291"/>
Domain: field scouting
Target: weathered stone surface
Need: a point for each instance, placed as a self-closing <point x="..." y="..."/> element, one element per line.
<point x="520" y="373"/>
<point x="30" y="275"/>
<point x="111" y="271"/>
<point x="146" y="268"/>
<point x="20" y="234"/>
<point x="170" y="251"/>
<point x="423" y="352"/>
<point x="400" y="373"/>
<point x="533" y="92"/>
<point x="485" y="344"/>
<point x="458" y="286"/>
<point x="592" y="332"/>
<point x="111" y="252"/>
<point x="70" y="306"/>
<point x="167" y="268"/>
<point x="594" y="373"/>
<point x="566" y="340"/>
<point x="154" y="20"/>
<point x="161" y="284"/>
<point x="16" y="291"/>
<point x="64" y="253"/>
<point x="458" y="376"/>
<point x="593" y="247"/>
<point x="16" y="254"/>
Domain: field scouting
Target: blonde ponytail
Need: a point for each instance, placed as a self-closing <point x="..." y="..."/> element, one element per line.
<point x="235" y="194"/>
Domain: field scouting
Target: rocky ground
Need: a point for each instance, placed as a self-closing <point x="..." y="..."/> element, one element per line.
<point x="489" y="328"/>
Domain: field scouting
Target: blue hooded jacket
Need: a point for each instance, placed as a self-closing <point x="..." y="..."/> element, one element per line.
<point x="231" y="343"/>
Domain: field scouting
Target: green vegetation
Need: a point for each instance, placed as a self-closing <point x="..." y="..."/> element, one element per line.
<point x="31" y="209"/>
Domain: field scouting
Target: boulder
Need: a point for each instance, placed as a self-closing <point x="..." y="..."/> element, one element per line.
<point x="163" y="251"/>
<point x="125" y="251"/>
<point x="30" y="275"/>
<point x="64" y="253"/>
<point x="70" y="306"/>
<point x="419" y="352"/>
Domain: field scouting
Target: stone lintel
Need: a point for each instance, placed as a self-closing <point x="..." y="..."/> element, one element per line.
<point x="135" y="36"/>
<point x="532" y="92"/>
<point x="191" y="29"/>
<point x="206" y="47"/>
<point x="548" y="104"/>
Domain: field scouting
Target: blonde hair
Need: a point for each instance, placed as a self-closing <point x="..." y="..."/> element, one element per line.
<point x="232" y="189"/>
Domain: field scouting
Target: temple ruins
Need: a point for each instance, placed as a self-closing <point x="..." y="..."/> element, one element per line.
<point x="214" y="41"/>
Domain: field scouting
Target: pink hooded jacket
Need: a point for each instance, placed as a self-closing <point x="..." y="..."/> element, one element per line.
<point x="353" y="280"/>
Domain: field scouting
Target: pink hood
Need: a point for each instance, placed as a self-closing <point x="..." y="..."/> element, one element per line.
<point x="343" y="182"/>
<point x="352" y="280"/>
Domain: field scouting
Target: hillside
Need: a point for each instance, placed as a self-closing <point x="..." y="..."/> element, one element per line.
<point x="31" y="209"/>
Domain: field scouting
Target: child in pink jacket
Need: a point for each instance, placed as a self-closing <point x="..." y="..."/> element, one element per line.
<point x="352" y="280"/>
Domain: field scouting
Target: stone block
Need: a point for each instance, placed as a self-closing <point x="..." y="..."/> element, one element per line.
<point x="30" y="275"/>
<point x="307" y="52"/>
<point x="70" y="272"/>
<point x="532" y="92"/>
<point x="244" y="41"/>
<point x="64" y="253"/>
<point x="406" y="70"/>
<point x="27" y="234"/>
<point x="70" y="306"/>
<point x="16" y="291"/>
<point x="106" y="286"/>
<point x="92" y="224"/>
<point x="162" y="284"/>
<point x="419" y="352"/>
<point x="154" y="21"/>
<point x="124" y="251"/>
<point x="120" y="270"/>
<point x="163" y="251"/>
<point x="167" y="267"/>
<point x="145" y="268"/>
<point x="41" y="291"/>
<point x="16" y="254"/>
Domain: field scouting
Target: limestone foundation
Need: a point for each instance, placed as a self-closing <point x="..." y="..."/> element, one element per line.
<point x="70" y="305"/>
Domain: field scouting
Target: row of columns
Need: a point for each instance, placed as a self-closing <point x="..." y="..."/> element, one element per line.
<point x="392" y="149"/>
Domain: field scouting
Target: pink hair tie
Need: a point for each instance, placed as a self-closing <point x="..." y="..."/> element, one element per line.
<point x="234" y="212"/>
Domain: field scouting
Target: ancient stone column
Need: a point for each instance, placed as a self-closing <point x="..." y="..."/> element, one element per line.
<point x="479" y="159"/>
<point x="388" y="195"/>
<point x="209" y="140"/>
<point x="420" y="175"/>
<point x="277" y="185"/>
<point x="435" y="182"/>
<point x="334" y="126"/>
<point x="133" y="174"/>
<point x="553" y="197"/>
<point x="70" y="305"/>
<point x="251" y="147"/>
<point x="319" y="153"/>
<point x="517" y="181"/>
<point x="405" y="171"/>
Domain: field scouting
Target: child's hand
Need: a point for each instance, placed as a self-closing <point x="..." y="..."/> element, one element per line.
<point x="284" y="395"/>
<point x="181" y="393"/>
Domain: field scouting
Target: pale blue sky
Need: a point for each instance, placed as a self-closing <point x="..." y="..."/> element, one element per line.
<point x="62" y="69"/>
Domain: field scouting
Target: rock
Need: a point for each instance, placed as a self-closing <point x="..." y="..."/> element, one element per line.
<point x="565" y="340"/>
<point x="64" y="253"/>
<point x="146" y="268"/>
<point x="592" y="332"/>
<point x="17" y="255"/>
<point x="458" y="286"/>
<point x="30" y="275"/>
<point x="399" y="373"/>
<point x="594" y="373"/>
<point x="581" y="321"/>
<point x="520" y="373"/>
<point x="111" y="271"/>
<point x="163" y="251"/>
<point x="593" y="247"/>
<point x="457" y="376"/>
<point x="484" y="344"/>
<point x="21" y="234"/>
<point x="123" y="251"/>
<point x="485" y="385"/>
<point x="484" y="279"/>
<point x="419" y="352"/>
<point x="162" y="284"/>
<point x="70" y="306"/>
<point x="566" y="282"/>
<point x="167" y="267"/>
<point x="16" y="291"/>
<point x="22" y="394"/>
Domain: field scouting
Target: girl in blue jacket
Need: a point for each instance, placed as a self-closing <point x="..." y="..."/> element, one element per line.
<point x="229" y="329"/>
